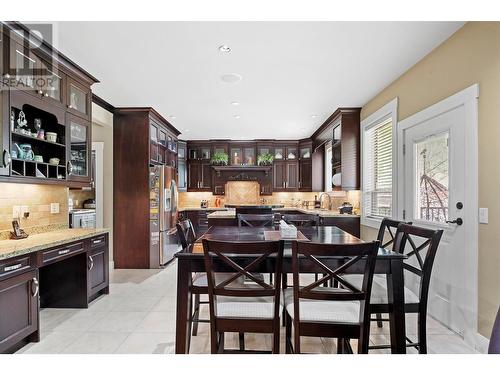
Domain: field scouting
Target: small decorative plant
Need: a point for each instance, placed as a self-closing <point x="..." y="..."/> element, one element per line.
<point x="220" y="158"/>
<point x="265" y="159"/>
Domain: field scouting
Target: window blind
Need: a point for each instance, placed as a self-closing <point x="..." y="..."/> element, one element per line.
<point x="377" y="170"/>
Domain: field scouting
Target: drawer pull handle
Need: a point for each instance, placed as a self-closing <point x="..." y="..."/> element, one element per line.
<point x="91" y="262"/>
<point x="62" y="252"/>
<point x="13" y="267"/>
<point x="95" y="242"/>
<point x="37" y="286"/>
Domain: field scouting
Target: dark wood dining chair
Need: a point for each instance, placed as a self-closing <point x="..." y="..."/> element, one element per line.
<point x="255" y="307"/>
<point x="301" y="220"/>
<point x="387" y="227"/>
<point x="255" y="220"/>
<point x="187" y="236"/>
<point x="340" y="313"/>
<point x="420" y="245"/>
<point x="494" y="346"/>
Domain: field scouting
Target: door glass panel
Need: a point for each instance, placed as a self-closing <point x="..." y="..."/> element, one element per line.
<point x="24" y="66"/>
<point x="432" y="179"/>
<point x="77" y="99"/>
<point x="205" y="153"/>
<point x="51" y="81"/>
<point x="78" y="150"/>
<point x="291" y="153"/>
<point x="264" y="151"/>
<point x="153" y="130"/>
<point x="279" y="153"/>
<point x="305" y="153"/>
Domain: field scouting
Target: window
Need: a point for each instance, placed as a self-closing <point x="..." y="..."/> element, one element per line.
<point x="328" y="166"/>
<point x="378" y="167"/>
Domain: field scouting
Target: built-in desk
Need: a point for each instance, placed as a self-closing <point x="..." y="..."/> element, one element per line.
<point x="63" y="269"/>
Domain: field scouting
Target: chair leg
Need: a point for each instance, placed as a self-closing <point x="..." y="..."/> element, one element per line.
<point x="214" y="341"/>
<point x="276" y="338"/>
<point x="241" y="336"/>
<point x="196" y="314"/>
<point x="296" y="339"/>
<point x="340" y="345"/>
<point x="220" y="349"/>
<point x="379" y="320"/>
<point x="284" y="285"/>
<point x="288" y="333"/>
<point x="422" y="333"/>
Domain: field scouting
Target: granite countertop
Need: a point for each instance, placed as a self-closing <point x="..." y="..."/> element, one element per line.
<point x="36" y="242"/>
<point x="198" y="208"/>
<point x="231" y="214"/>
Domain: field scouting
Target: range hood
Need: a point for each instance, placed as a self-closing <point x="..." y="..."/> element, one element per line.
<point x="260" y="174"/>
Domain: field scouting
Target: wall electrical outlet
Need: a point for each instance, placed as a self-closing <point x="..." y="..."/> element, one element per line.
<point x="54" y="208"/>
<point x="16" y="212"/>
<point x="25" y="210"/>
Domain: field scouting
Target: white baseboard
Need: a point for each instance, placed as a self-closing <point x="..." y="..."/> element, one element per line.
<point x="482" y="343"/>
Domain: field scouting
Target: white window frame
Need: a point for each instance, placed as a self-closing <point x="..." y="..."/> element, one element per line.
<point x="328" y="167"/>
<point x="389" y="110"/>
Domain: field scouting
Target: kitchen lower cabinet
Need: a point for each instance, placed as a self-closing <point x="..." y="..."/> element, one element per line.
<point x="350" y="224"/>
<point x="98" y="268"/>
<point x="65" y="276"/>
<point x="19" y="313"/>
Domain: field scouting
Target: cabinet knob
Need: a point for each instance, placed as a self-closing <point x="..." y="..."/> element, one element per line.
<point x="40" y="92"/>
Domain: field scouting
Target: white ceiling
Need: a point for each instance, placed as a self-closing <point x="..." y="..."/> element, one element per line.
<point x="290" y="70"/>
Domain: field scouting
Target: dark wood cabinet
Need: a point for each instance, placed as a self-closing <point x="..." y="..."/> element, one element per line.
<point x="199" y="176"/>
<point x="286" y="176"/>
<point x="305" y="175"/>
<point x="199" y="218"/>
<point x="98" y="267"/>
<point x="131" y="185"/>
<point x="182" y="166"/>
<point x="78" y="148"/>
<point x="46" y="86"/>
<point x="350" y="224"/>
<point x="19" y="309"/>
<point x="342" y="128"/>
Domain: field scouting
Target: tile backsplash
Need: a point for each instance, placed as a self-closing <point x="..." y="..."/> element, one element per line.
<point x="38" y="199"/>
<point x="289" y="199"/>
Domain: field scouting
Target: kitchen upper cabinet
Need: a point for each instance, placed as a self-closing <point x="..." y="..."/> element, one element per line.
<point x="305" y="175"/>
<point x="79" y="98"/>
<point x="286" y="176"/>
<point x="53" y="84"/>
<point x="78" y="145"/>
<point x="283" y="151"/>
<point x="6" y="158"/>
<point x="200" y="152"/>
<point x="23" y="64"/>
<point x="243" y="154"/>
<point x="19" y="307"/>
<point x="199" y="176"/>
<point x="182" y="166"/>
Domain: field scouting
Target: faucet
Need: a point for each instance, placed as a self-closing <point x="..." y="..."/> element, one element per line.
<point x="329" y="207"/>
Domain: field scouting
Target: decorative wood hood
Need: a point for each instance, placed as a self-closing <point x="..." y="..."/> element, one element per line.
<point x="260" y="174"/>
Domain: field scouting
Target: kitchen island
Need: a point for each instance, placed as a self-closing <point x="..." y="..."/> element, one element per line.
<point x="61" y="269"/>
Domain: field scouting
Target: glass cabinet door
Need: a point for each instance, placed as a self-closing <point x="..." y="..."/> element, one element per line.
<point x="305" y="153"/>
<point x="79" y="144"/>
<point x="22" y="67"/>
<point x="249" y="156"/>
<point x="51" y="81"/>
<point x="279" y="153"/>
<point x="78" y="98"/>
<point x="291" y="153"/>
<point x="236" y="157"/>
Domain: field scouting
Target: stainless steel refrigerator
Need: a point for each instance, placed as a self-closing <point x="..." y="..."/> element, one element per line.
<point x="163" y="212"/>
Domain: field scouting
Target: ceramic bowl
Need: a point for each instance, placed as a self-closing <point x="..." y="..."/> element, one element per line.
<point x="39" y="158"/>
<point x="51" y="137"/>
<point x="54" y="161"/>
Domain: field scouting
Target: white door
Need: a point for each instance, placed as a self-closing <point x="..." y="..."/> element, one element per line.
<point x="437" y="188"/>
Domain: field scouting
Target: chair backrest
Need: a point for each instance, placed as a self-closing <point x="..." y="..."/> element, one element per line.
<point x="233" y="258"/>
<point x="388" y="226"/>
<point x="494" y="347"/>
<point x="301" y="220"/>
<point x="253" y="210"/>
<point x="306" y="255"/>
<point x="185" y="233"/>
<point x="424" y="253"/>
<point x="255" y="220"/>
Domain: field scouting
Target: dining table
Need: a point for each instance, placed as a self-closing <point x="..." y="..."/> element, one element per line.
<point x="191" y="260"/>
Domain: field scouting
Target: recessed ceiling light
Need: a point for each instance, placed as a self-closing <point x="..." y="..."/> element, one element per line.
<point x="235" y="103"/>
<point x="314" y="116"/>
<point x="172" y="117"/>
<point x="186" y="130"/>
<point x="224" y="48"/>
<point x="237" y="116"/>
<point x="231" y="78"/>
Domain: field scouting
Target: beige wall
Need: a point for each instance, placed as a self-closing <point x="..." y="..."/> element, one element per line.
<point x="471" y="55"/>
<point x="102" y="131"/>
<point x="38" y="199"/>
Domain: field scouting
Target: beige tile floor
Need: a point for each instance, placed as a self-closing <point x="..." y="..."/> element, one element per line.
<point x="138" y="316"/>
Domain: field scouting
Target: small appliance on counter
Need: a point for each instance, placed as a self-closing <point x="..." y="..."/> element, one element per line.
<point x="204" y="203"/>
<point x="85" y="218"/>
<point x="89" y="203"/>
<point x="346" y="208"/>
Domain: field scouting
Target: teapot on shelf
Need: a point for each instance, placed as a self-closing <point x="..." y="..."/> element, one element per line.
<point x="24" y="151"/>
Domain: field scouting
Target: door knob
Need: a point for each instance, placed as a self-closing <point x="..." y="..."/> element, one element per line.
<point x="457" y="221"/>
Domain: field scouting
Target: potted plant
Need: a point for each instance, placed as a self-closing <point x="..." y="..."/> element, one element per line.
<point x="219" y="158"/>
<point x="265" y="159"/>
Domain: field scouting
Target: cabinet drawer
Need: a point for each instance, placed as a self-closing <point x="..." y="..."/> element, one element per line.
<point x="96" y="242"/>
<point x="16" y="266"/>
<point x="62" y="252"/>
